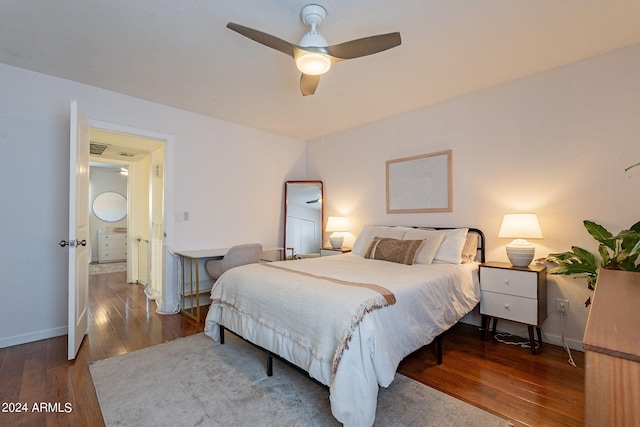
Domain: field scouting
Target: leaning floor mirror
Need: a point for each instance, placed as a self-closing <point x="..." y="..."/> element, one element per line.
<point x="303" y="218"/>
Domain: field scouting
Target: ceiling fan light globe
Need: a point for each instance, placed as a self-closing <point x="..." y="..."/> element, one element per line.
<point x="313" y="64"/>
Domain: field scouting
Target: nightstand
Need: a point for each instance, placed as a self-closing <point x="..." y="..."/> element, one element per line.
<point x="332" y="251"/>
<point x="513" y="293"/>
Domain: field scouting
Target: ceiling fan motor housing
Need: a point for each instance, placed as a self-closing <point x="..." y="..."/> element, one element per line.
<point x="312" y="15"/>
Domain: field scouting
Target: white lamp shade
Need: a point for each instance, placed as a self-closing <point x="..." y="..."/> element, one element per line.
<point x="336" y="225"/>
<point x="520" y="227"/>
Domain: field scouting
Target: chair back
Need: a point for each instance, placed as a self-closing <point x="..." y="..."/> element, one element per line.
<point x="244" y="254"/>
<point x="236" y="256"/>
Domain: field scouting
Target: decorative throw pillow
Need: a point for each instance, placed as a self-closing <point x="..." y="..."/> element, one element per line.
<point x="431" y="240"/>
<point x="393" y="250"/>
<point x="470" y="249"/>
<point x="363" y="242"/>
<point x="450" y="250"/>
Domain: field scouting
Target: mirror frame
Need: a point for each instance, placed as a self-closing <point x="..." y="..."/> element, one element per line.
<point x="286" y="198"/>
<point x="111" y="214"/>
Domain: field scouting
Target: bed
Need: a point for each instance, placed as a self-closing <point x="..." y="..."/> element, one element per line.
<point x="348" y="320"/>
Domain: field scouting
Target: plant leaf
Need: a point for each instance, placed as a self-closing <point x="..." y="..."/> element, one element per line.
<point x="572" y="269"/>
<point x="635" y="250"/>
<point x="586" y="257"/>
<point x="600" y="233"/>
<point x="562" y="257"/>
<point x="604" y="253"/>
<point x="631" y="167"/>
<point x="630" y="253"/>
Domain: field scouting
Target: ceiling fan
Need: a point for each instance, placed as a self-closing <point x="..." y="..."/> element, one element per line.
<point x="313" y="56"/>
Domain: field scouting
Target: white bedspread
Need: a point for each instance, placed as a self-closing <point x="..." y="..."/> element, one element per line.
<point x="309" y="315"/>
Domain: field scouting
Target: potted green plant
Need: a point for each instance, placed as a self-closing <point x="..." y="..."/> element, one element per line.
<point x="619" y="252"/>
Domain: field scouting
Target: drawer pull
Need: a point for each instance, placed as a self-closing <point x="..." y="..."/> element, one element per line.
<point x="506" y="281"/>
<point x="506" y="306"/>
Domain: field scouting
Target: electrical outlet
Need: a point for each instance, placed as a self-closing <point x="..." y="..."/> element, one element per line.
<point x="562" y="306"/>
<point x="181" y="216"/>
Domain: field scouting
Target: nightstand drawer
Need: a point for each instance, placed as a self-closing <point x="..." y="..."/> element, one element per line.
<point x="511" y="282"/>
<point x="509" y="307"/>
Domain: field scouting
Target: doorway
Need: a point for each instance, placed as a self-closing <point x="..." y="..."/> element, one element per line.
<point x="141" y="155"/>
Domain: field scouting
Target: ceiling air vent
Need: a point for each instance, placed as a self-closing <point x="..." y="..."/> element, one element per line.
<point x="96" y="149"/>
<point x="126" y="154"/>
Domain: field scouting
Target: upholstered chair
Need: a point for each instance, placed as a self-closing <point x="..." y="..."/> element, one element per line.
<point x="236" y="256"/>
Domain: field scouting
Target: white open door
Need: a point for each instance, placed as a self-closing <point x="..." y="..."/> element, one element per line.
<point x="78" y="229"/>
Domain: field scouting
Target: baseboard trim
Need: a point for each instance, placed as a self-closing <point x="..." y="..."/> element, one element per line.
<point x="33" y="336"/>
<point x="520" y="330"/>
<point x="557" y="340"/>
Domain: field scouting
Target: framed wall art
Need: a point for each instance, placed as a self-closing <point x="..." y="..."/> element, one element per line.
<point x="420" y="183"/>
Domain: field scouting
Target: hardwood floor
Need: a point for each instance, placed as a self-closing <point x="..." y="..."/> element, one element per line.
<point x="540" y="390"/>
<point x="509" y="381"/>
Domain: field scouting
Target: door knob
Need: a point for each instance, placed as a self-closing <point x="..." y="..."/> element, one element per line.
<point x="73" y="243"/>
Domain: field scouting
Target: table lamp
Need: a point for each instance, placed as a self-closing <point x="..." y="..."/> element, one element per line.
<point x="520" y="227"/>
<point x="336" y="225"/>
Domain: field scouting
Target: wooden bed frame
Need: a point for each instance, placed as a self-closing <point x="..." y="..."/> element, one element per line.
<point x="438" y="340"/>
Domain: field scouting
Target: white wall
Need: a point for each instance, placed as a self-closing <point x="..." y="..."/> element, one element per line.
<point x="229" y="177"/>
<point x="555" y="144"/>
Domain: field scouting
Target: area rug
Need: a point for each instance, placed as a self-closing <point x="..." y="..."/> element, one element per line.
<point x="110" y="267"/>
<point x="195" y="381"/>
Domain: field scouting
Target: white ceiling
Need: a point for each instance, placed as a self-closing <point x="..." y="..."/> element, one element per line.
<point x="180" y="53"/>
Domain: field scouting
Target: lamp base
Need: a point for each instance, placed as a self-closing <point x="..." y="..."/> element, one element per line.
<point x="336" y="241"/>
<point x="520" y="253"/>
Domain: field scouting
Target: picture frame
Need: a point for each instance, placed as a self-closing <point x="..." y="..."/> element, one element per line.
<point x="420" y="183"/>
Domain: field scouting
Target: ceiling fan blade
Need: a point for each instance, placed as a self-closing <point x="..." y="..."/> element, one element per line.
<point x="308" y="84"/>
<point x="365" y="46"/>
<point x="263" y="38"/>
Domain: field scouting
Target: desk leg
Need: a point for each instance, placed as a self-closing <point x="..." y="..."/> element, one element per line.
<point x="194" y="310"/>
<point x="197" y="290"/>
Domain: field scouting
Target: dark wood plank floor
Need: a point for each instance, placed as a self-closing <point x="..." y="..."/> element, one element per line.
<point x="540" y="390"/>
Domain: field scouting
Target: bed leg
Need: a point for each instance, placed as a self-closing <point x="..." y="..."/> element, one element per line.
<point x="221" y="334"/>
<point x="439" y="349"/>
<point x="269" y="364"/>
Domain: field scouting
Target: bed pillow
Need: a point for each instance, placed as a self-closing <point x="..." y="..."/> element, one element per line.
<point x="431" y="240"/>
<point x="470" y="249"/>
<point x="361" y="245"/>
<point x="450" y="250"/>
<point x="393" y="250"/>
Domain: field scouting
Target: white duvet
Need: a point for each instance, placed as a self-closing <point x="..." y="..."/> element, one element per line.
<point x="333" y="318"/>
